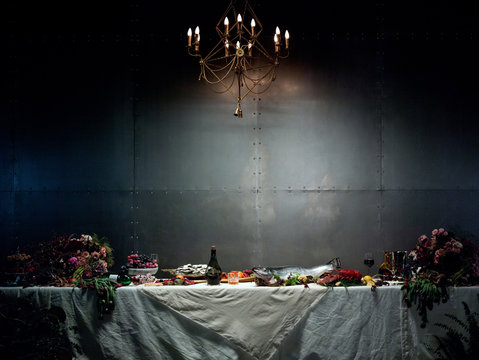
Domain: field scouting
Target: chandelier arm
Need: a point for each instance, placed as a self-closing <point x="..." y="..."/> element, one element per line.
<point x="215" y="50"/>
<point x="211" y="63"/>
<point x="271" y="73"/>
<point x="251" y="90"/>
<point x="227" y="87"/>
<point x="213" y="72"/>
<point x="271" y="70"/>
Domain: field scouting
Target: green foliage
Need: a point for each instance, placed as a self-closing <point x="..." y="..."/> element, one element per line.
<point x="105" y="291"/>
<point x="462" y="337"/>
<point x="424" y="292"/>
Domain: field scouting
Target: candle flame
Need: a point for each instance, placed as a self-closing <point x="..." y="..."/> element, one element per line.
<point x="226" y="21"/>
<point x="197" y="30"/>
<point x="238" y="45"/>
<point x="240" y="19"/>
<point x="275" y="38"/>
<point x="277" y="30"/>
<point x="253" y="23"/>
<point x="286" y="34"/>
<point x="190" y="32"/>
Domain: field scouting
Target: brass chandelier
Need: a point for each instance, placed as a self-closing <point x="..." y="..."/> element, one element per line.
<point x="239" y="64"/>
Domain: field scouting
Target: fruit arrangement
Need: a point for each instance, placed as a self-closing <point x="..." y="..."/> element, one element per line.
<point x="178" y="280"/>
<point x="140" y="261"/>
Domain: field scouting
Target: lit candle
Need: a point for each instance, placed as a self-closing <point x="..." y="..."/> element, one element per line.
<point x="227" y="23"/>
<point x="276" y="43"/>
<point x="253" y="24"/>
<point x="239" y="19"/>
<point x="197" y="38"/>
<point x="238" y="45"/>
<point x="278" y="33"/>
<point x="190" y="33"/>
<point x="286" y="36"/>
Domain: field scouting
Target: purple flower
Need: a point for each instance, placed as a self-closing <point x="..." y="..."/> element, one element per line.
<point x="72" y="261"/>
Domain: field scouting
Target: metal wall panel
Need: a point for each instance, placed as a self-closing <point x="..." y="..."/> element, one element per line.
<point x="312" y="227"/>
<point x="6" y="157"/>
<point x="41" y="215"/>
<point x="194" y="143"/>
<point x="319" y="129"/>
<point x="6" y="221"/>
<point x="182" y="225"/>
<point x="74" y="127"/>
<point x="409" y="214"/>
<point x="430" y="115"/>
<point x="365" y="107"/>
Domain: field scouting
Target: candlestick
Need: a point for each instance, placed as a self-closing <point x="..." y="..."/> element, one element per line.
<point x="239" y="19"/>
<point x="197" y="39"/>
<point x="227" y="22"/>
<point x="189" y="33"/>
<point x="253" y="24"/>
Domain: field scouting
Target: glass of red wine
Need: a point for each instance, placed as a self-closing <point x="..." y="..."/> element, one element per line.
<point x="368" y="259"/>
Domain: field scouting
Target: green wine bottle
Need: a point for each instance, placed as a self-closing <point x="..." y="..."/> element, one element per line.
<point x="213" y="270"/>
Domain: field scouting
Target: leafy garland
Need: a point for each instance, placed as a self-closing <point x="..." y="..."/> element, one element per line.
<point x="424" y="292"/>
<point x="105" y="291"/>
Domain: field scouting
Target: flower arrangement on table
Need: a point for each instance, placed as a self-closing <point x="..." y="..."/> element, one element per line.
<point x="72" y="261"/>
<point x="438" y="261"/>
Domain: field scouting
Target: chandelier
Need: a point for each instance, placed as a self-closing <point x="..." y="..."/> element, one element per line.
<point x="239" y="64"/>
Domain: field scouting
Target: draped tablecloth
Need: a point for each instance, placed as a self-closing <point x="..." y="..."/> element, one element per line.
<point x="248" y="322"/>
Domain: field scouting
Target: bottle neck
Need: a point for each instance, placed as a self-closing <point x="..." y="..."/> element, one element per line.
<point x="213" y="254"/>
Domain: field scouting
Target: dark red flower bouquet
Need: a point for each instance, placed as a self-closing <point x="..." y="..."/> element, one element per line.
<point x="447" y="256"/>
<point x="437" y="262"/>
<point x="62" y="260"/>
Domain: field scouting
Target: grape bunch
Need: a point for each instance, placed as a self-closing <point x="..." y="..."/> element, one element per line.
<point x="140" y="261"/>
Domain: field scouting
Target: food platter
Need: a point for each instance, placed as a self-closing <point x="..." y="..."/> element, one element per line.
<point x="142" y="271"/>
<point x="225" y="281"/>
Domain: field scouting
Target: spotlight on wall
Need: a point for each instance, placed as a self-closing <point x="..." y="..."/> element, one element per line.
<point x="239" y="64"/>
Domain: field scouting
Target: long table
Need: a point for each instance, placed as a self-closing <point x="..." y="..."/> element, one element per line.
<point x="249" y="322"/>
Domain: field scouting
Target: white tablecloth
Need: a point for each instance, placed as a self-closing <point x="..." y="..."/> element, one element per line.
<point x="249" y="322"/>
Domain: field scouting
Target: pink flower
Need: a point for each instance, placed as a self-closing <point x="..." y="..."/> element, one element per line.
<point x="95" y="255"/>
<point x="72" y="261"/>
<point x="85" y="254"/>
<point x="434" y="232"/>
<point x="446" y="233"/>
<point x="441" y="230"/>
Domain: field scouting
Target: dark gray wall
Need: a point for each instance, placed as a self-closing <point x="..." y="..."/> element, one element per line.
<point x="366" y="140"/>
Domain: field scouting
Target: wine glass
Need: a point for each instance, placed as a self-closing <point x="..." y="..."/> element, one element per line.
<point x="368" y="259"/>
<point x="154" y="257"/>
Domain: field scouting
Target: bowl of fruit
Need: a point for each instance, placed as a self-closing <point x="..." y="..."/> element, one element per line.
<point x="140" y="264"/>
